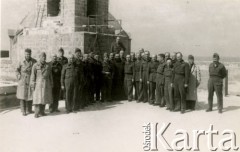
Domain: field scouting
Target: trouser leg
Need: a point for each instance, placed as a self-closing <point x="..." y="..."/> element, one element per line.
<point x="163" y="102"/>
<point x="210" y="94"/>
<point x="137" y="90"/>
<point x="29" y="106"/>
<point x="23" y="106"/>
<point x="166" y="95"/>
<point x="219" y="93"/>
<point x="176" y="96"/>
<point x="130" y="89"/>
<point x="151" y="92"/>
<point x="37" y="110"/>
<point x="182" y="95"/>
<point x="140" y="97"/>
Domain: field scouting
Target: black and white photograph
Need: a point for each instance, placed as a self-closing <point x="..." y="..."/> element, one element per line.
<point x="119" y="75"/>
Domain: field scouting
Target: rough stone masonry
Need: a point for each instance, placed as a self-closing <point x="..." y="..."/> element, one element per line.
<point x="86" y="24"/>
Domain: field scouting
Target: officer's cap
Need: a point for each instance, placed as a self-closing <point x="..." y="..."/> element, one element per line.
<point x="78" y="50"/>
<point x="28" y="50"/>
<point x="191" y="57"/>
<point x="216" y="55"/>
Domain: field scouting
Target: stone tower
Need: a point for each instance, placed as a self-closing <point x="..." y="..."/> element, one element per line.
<point x="67" y="24"/>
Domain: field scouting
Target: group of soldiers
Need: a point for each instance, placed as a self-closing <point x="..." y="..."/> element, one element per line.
<point x="84" y="79"/>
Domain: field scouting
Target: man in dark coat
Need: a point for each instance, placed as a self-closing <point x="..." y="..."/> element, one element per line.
<point x="92" y="69"/>
<point x="24" y="92"/>
<point x="70" y="83"/>
<point x="117" y="46"/>
<point x="88" y="78"/>
<point x="118" y="79"/>
<point x="56" y="74"/>
<point x="153" y="65"/>
<point x="128" y="78"/>
<point x="122" y="56"/>
<point x="168" y="86"/>
<point x="62" y="60"/>
<point x="137" y="67"/>
<point x="97" y="77"/>
<point x="180" y="82"/>
<point x="160" y="81"/>
<point x="217" y="73"/>
<point x="79" y="65"/>
<point x="107" y="79"/>
<point x="144" y="79"/>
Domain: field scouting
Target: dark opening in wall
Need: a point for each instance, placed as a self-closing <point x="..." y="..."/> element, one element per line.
<point x="53" y="7"/>
<point x="91" y="8"/>
<point x="4" y="54"/>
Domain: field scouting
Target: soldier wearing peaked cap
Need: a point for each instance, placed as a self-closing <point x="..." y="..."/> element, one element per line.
<point x="217" y="72"/>
<point x="24" y="92"/>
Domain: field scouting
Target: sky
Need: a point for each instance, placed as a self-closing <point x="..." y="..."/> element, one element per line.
<point x="198" y="27"/>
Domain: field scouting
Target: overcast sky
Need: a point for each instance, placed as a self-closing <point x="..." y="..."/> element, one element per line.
<point x="199" y="27"/>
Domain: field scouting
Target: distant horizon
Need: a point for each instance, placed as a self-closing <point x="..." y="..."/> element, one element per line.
<point x="199" y="27"/>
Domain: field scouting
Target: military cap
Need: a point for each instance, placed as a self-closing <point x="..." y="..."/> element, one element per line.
<point x="191" y="57"/>
<point x="28" y="50"/>
<point x="216" y="55"/>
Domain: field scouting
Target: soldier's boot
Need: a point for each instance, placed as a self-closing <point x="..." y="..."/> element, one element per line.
<point x="29" y="107"/>
<point x="23" y="107"/>
<point x="37" y="111"/>
<point x="42" y="110"/>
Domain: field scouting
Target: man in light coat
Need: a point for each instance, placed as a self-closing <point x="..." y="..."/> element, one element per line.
<point x="42" y="85"/>
<point x="24" y="92"/>
<point x="194" y="82"/>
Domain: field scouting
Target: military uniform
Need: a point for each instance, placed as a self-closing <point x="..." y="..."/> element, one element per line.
<point x="107" y="81"/>
<point x="56" y="74"/>
<point x="180" y="78"/>
<point x="116" y="47"/>
<point x="217" y="73"/>
<point x="118" y="80"/>
<point x="128" y="79"/>
<point x="91" y="70"/>
<point x="42" y="83"/>
<point x="144" y="73"/>
<point x="87" y="83"/>
<point x="24" y="92"/>
<point x="137" y="67"/>
<point x="80" y="95"/>
<point x="98" y="79"/>
<point x="152" y="80"/>
<point x="70" y="81"/>
<point x="168" y="89"/>
<point x="160" y="85"/>
<point x="63" y="61"/>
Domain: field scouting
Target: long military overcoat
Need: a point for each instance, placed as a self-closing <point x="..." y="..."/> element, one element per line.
<point x="41" y="80"/>
<point x="23" y="72"/>
<point x="194" y="82"/>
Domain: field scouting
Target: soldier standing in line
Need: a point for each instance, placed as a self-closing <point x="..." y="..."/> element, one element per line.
<point x="137" y="67"/>
<point x="92" y="69"/>
<point x="70" y="83"/>
<point x="160" y="81"/>
<point x="62" y="60"/>
<point x="180" y="82"/>
<point x="24" y="92"/>
<point x="167" y="55"/>
<point x="97" y="77"/>
<point x="144" y="75"/>
<point x="194" y="82"/>
<point x="56" y="74"/>
<point x="122" y="57"/>
<point x="42" y="85"/>
<point x="174" y="58"/>
<point x="87" y="83"/>
<point x="153" y="65"/>
<point x="79" y="66"/>
<point x="128" y="78"/>
<point x="217" y="73"/>
<point x="168" y="89"/>
<point x="118" y="79"/>
<point x="117" y="46"/>
<point x="107" y="80"/>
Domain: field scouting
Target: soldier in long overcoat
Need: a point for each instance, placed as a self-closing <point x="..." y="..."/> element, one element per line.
<point x="24" y="92"/>
<point x="42" y="84"/>
<point x="194" y="82"/>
